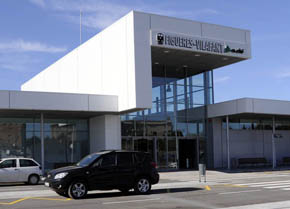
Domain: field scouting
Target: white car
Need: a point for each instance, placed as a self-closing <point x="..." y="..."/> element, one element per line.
<point x="19" y="170"/>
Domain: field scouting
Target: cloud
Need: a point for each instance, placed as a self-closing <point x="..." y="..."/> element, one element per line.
<point x="18" y="62"/>
<point x="26" y="46"/>
<point x="98" y="14"/>
<point x="39" y="3"/>
<point x="221" y="79"/>
<point x="284" y="74"/>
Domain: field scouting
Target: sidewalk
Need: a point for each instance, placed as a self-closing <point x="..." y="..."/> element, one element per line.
<point x="221" y="176"/>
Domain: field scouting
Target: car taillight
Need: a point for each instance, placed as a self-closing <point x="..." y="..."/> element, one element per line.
<point x="154" y="164"/>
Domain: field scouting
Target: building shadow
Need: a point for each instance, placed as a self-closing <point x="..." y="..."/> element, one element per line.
<point x="131" y="193"/>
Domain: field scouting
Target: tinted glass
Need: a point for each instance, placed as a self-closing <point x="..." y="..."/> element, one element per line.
<point x="124" y="159"/>
<point x="8" y="164"/>
<point x="27" y="163"/>
<point x="88" y="160"/>
<point x="108" y="160"/>
<point x="139" y="157"/>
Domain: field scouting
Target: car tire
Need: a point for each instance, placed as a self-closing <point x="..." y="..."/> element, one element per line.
<point x="64" y="194"/>
<point x="142" y="185"/>
<point x="77" y="190"/>
<point x="33" y="179"/>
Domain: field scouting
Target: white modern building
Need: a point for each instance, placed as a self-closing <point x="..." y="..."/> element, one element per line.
<point x="144" y="83"/>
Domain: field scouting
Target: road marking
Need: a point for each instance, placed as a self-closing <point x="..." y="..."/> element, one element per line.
<point x="232" y="185"/>
<point x="129" y="201"/>
<point x="33" y="198"/>
<point x="207" y="188"/>
<point x="268" y="182"/>
<point x="14" y="202"/>
<point x="55" y="199"/>
<point x="239" y="192"/>
<point x="272" y="184"/>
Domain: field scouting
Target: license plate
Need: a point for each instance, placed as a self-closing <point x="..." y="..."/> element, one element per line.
<point x="46" y="184"/>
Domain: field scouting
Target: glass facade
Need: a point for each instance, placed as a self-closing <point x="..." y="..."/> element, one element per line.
<point x="65" y="140"/>
<point x="257" y="124"/>
<point x="173" y="130"/>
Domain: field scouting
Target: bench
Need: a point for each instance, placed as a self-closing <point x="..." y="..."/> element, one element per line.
<point x="252" y="162"/>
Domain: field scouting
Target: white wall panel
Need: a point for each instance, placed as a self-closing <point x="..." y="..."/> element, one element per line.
<point x="4" y="99"/>
<point x="40" y="101"/>
<point x="170" y="24"/>
<point x="223" y="33"/>
<point x="143" y="72"/>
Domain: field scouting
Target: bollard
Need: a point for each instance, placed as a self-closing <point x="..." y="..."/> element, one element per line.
<point x="202" y="171"/>
<point x="187" y="163"/>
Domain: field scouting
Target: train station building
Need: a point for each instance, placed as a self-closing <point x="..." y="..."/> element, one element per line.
<point x="144" y="83"/>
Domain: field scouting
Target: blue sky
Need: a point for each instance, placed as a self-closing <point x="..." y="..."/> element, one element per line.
<point x="36" y="33"/>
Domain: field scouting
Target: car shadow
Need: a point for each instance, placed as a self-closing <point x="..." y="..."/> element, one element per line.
<point x="132" y="193"/>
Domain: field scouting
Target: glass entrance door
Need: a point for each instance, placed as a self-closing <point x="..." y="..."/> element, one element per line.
<point x="188" y="158"/>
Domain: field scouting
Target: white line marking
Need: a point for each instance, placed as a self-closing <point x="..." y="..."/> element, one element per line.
<point x="107" y="203"/>
<point x="268" y="182"/>
<point x="266" y="185"/>
<point x="276" y="187"/>
<point x="240" y="192"/>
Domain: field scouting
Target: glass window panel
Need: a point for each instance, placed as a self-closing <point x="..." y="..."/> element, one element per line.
<point x="198" y="97"/>
<point x="180" y="90"/>
<point x="128" y="128"/>
<point x="198" y="80"/>
<point x="79" y="125"/>
<point x="156" y="93"/>
<point x="181" y="128"/>
<point x="172" y="159"/>
<point x="140" y="126"/>
<point x="162" y="153"/>
<point x="55" y="125"/>
<point x="169" y="105"/>
<point x="155" y="126"/>
<point x="245" y="124"/>
<point x="169" y="90"/>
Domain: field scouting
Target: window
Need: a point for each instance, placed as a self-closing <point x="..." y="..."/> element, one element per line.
<point x="27" y="163"/>
<point x="139" y="157"/>
<point x="8" y="164"/>
<point x="108" y="160"/>
<point x="124" y="159"/>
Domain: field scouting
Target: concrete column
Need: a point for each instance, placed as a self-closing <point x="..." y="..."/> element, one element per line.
<point x="273" y="144"/>
<point x="228" y="142"/>
<point x="105" y="133"/>
<point x="42" y="141"/>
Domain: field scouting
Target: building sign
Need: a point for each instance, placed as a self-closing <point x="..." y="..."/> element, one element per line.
<point x="191" y="43"/>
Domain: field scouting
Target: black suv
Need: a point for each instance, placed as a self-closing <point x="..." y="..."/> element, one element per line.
<point x="106" y="170"/>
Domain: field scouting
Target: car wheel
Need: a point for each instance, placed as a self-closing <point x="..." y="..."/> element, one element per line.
<point x="64" y="194"/>
<point x="142" y="186"/>
<point x="33" y="179"/>
<point x="77" y="190"/>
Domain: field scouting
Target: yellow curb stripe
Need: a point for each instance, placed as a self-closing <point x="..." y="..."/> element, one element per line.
<point x="54" y="199"/>
<point x="207" y="188"/>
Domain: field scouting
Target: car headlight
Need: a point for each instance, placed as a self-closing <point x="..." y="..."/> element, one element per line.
<point x="60" y="175"/>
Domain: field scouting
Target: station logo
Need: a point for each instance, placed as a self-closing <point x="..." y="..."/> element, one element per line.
<point x="237" y="51"/>
<point x="160" y="38"/>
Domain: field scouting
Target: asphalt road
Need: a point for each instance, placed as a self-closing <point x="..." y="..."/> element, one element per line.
<point x="255" y="192"/>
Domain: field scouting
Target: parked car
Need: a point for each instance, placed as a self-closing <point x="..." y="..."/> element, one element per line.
<point x="19" y="170"/>
<point x="123" y="170"/>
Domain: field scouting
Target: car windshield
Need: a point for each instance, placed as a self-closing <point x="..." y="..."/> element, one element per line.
<point x="87" y="160"/>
